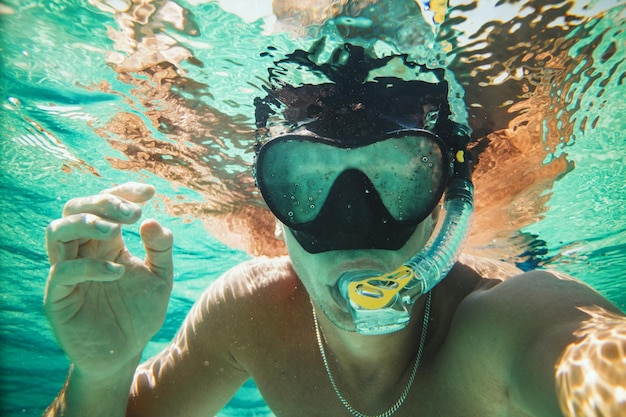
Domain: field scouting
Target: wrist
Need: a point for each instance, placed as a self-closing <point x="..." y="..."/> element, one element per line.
<point x="103" y="378"/>
<point x="98" y="395"/>
<point x="94" y="394"/>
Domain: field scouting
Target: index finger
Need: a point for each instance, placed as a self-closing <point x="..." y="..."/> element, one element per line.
<point x="132" y="191"/>
<point x="119" y="204"/>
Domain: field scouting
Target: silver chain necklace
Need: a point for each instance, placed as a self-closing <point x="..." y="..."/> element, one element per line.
<point x="405" y="393"/>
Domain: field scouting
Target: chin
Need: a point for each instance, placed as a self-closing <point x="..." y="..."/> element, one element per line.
<point x="343" y="321"/>
<point x="335" y="310"/>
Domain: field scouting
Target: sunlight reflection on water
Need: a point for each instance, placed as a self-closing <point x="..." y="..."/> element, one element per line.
<point x="162" y="92"/>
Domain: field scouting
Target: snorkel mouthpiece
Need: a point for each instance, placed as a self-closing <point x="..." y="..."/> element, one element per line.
<point x="375" y="299"/>
<point x="382" y="303"/>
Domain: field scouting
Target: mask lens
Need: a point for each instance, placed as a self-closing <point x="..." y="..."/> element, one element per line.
<point x="409" y="176"/>
<point x="295" y="176"/>
<point x="295" y="173"/>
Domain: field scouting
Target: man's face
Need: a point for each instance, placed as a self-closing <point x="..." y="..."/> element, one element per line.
<point x="320" y="272"/>
<point x="352" y="201"/>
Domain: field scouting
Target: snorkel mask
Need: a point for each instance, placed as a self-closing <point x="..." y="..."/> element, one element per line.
<point x="370" y="163"/>
<point x="340" y="196"/>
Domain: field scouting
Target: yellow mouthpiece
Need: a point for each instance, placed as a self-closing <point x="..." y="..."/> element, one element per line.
<point x="377" y="292"/>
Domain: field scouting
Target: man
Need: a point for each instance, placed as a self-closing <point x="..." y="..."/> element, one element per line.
<point x="476" y="343"/>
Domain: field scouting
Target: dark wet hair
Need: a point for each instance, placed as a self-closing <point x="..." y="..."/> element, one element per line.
<point x="353" y="103"/>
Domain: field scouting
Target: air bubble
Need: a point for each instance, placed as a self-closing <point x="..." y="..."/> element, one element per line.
<point x="424" y="159"/>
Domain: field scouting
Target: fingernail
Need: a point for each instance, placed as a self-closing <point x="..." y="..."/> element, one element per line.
<point x="115" y="268"/>
<point x="138" y="187"/>
<point x="103" y="227"/>
<point x="126" y="210"/>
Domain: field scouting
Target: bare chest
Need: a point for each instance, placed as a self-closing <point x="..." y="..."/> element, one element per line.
<point x="295" y="383"/>
<point x="454" y="379"/>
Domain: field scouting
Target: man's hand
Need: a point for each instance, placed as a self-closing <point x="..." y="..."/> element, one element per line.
<point x="591" y="373"/>
<point x="104" y="304"/>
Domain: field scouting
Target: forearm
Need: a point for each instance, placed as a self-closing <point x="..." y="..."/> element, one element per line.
<point x="86" y="397"/>
<point x="592" y="371"/>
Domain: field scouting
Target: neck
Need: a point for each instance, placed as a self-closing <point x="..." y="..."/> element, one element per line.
<point x="385" y="358"/>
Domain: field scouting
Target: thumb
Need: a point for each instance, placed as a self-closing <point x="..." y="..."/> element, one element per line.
<point x="158" y="242"/>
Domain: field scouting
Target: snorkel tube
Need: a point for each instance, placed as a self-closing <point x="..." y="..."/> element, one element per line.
<point x="382" y="303"/>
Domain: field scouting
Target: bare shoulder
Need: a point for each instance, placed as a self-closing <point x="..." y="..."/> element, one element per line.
<point x="249" y="291"/>
<point x="254" y="280"/>
<point x="250" y="300"/>
<point x="531" y="313"/>
<point x="531" y="303"/>
<point x="536" y="293"/>
<point x="210" y="356"/>
<point x="488" y="268"/>
<point x="511" y="290"/>
<point x="530" y="331"/>
<point x="253" y="311"/>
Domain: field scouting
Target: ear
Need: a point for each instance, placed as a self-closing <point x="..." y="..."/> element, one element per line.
<point x="279" y="232"/>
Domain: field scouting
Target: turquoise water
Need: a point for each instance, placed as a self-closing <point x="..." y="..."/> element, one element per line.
<point x="101" y="93"/>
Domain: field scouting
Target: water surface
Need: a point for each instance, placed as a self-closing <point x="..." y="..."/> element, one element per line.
<point x="101" y="92"/>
